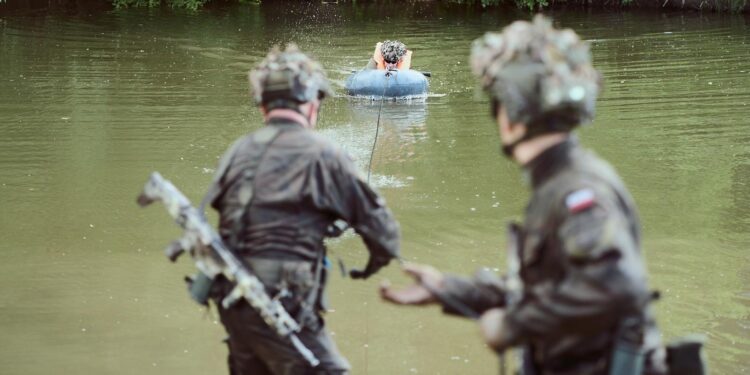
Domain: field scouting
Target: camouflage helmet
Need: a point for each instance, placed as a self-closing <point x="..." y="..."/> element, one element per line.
<point x="392" y="51"/>
<point x="541" y="75"/>
<point x="285" y="79"/>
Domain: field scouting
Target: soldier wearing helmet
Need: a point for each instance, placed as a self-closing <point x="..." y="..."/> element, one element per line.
<point x="575" y="299"/>
<point x="278" y="190"/>
<point x="390" y="54"/>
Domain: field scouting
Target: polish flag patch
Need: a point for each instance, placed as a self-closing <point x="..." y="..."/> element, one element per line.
<point x="580" y="200"/>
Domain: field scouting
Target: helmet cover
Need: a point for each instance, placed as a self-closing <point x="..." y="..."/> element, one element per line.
<point x="288" y="76"/>
<point x="543" y="76"/>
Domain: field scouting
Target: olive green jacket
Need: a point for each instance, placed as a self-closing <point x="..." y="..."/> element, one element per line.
<point x="302" y="183"/>
<point x="581" y="267"/>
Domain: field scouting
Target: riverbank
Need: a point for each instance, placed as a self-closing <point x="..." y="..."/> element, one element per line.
<point x="83" y="6"/>
<point x="734" y="6"/>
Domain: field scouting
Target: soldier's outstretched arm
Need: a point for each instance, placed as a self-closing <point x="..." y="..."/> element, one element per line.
<point x="484" y="291"/>
<point x="604" y="279"/>
<point x="339" y="189"/>
<point x="463" y="296"/>
<point x="428" y="282"/>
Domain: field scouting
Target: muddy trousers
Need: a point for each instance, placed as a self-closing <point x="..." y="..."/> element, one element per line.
<point x="256" y="349"/>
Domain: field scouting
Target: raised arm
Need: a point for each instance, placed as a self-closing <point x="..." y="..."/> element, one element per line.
<point x="339" y="189"/>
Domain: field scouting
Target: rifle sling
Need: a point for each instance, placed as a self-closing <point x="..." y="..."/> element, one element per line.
<point x="262" y="139"/>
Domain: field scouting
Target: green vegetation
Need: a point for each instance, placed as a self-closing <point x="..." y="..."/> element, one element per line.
<point x="195" y="4"/>
<point x="732" y="5"/>
<point x="181" y="4"/>
<point x="703" y="5"/>
<point x="186" y="4"/>
<point x="718" y="5"/>
<point x="530" y="4"/>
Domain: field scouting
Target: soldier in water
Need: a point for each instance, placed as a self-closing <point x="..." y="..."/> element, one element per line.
<point x="390" y="54"/>
<point x="576" y="299"/>
<point x="277" y="191"/>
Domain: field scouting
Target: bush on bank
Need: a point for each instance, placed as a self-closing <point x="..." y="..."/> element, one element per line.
<point x="715" y="5"/>
<point x="184" y="4"/>
<point x="710" y="5"/>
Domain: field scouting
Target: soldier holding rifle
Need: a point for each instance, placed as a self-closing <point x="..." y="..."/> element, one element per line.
<point x="278" y="192"/>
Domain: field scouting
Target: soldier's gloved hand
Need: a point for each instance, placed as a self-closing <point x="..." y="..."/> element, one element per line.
<point x="373" y="265"/>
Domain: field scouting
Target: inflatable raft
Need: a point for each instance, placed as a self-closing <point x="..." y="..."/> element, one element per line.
<point x="399" y="83"/>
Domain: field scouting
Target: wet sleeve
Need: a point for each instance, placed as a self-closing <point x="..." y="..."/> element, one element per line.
<point x="463" y="295"/>
<point x="377" y="57"/>
<point x="372" y="64"/>
<point x="604" y="277"/>
<point x="342" y="191"/>
<point x="406" y="61"/>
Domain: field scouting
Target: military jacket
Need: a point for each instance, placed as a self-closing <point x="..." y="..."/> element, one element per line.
<point x="302" y="183"/>
<point x="581" y="267"/>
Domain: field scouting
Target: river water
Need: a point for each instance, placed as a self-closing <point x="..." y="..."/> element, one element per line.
<point x="91" y="104"/>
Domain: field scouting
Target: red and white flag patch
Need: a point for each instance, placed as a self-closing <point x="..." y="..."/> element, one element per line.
<point x="580" y="200"/>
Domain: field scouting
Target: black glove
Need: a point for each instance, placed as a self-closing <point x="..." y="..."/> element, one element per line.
<point x="373" y="265"/>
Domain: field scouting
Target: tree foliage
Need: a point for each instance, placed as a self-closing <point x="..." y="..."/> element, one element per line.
<point x="184" y="4"/>
<point x="715" y="5"/>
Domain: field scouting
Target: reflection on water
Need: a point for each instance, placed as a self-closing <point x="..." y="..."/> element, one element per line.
<point x="89" y="105"/>
<point x="398" y="126"/>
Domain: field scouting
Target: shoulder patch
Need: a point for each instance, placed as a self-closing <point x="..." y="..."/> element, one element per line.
<point x="580" y="200"/>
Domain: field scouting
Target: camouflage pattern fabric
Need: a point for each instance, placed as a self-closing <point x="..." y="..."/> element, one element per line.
<point x="581" y="268"/>
<point x="255" y="349"/>
<point x="288" y="74"/>
<point x="302" y="184"/>
<point x="537" y="71"/>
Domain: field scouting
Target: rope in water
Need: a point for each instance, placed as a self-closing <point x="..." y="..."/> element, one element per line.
<point x="377" y="126"/>
<point x="455" y="304"/>
<point x="369" y="171"/>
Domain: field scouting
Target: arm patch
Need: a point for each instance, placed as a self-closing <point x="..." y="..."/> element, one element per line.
<point x="588" y="227"/>
<point x="580" y="200"/>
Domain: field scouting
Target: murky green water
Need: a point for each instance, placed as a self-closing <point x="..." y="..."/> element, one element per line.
<point x="89" y="105"/>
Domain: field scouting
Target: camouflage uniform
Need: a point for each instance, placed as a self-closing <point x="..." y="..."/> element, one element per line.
<point x="277" y="191"/>
<point x="581" y="268"/>
<point x="583" y="286"/>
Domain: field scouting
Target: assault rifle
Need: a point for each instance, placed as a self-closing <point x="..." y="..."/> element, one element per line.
<point x="213" y="258"/>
